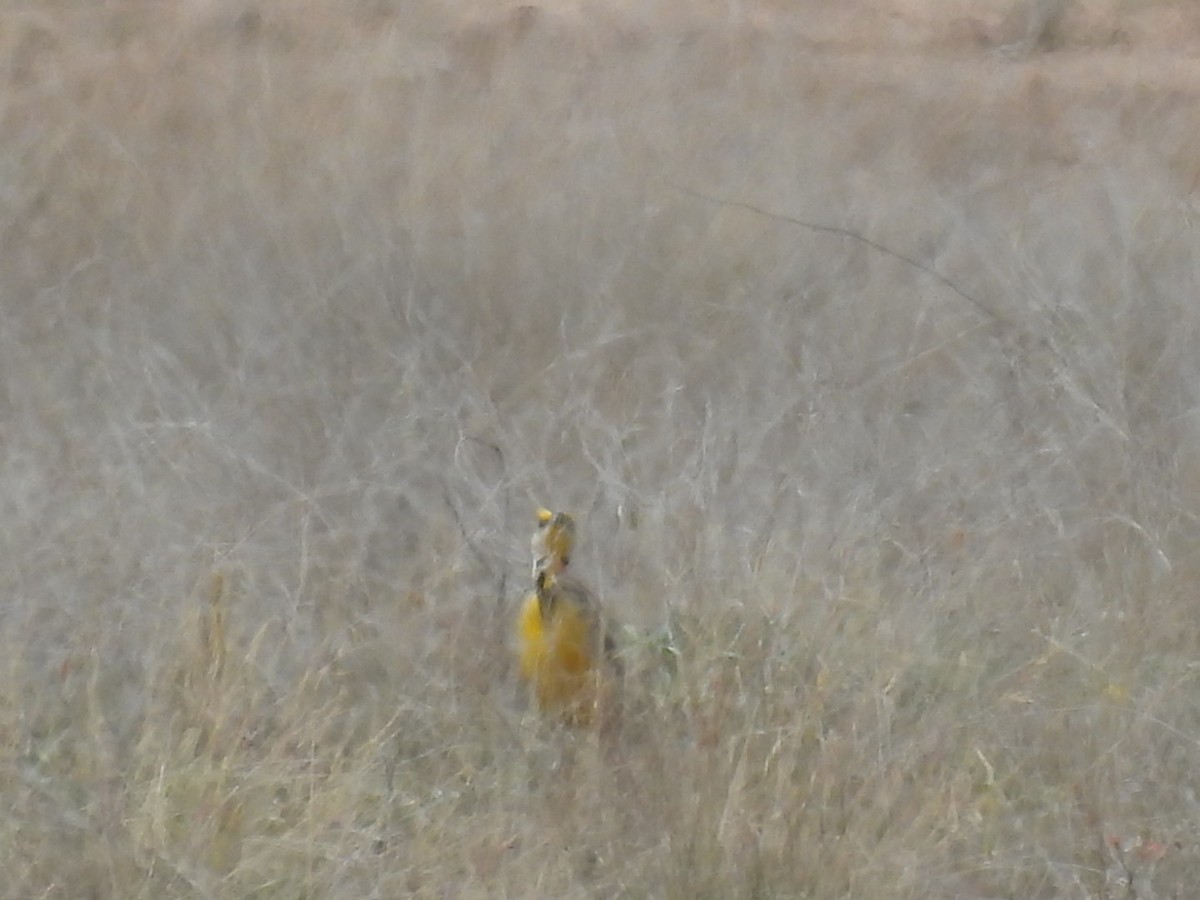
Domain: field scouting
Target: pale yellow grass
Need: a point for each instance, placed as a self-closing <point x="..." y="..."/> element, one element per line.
<point x="863" y="346"/>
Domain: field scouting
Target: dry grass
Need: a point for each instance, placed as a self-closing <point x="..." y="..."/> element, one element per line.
<point x="306" y="306"/>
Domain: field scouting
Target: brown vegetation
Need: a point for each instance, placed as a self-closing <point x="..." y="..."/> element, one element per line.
<point x="862" y="337"/>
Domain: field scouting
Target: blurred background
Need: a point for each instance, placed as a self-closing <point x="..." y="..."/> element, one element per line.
<point x="859" y="337"/>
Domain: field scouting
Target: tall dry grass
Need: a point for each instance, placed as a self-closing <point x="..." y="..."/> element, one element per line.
<point x="864" y="353"/>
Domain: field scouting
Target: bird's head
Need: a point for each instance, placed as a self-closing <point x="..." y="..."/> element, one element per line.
<point x="553" y="540"/>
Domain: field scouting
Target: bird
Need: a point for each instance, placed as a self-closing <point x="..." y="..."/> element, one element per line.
<point x="566" y="650"/>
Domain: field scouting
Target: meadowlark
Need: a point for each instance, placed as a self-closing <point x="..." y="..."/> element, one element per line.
<point x="566" y="651"/>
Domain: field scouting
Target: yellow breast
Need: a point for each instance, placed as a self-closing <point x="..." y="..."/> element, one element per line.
<point x="556" y="657"/>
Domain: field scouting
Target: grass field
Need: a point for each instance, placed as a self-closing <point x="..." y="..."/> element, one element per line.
<point x="860" y="337"/>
